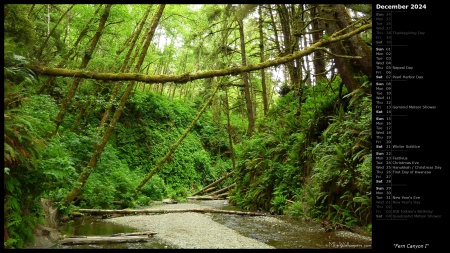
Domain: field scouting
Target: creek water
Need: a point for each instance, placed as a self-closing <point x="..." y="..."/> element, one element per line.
<point x="280" y="231"/>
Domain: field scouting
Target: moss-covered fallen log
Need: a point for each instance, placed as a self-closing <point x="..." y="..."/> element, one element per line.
<point x="188" y="77"/>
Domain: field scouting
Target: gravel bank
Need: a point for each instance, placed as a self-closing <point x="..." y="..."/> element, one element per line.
<point x="189" y="230"/>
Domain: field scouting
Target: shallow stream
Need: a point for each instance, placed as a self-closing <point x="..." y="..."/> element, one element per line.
<point x="281" y="232"/>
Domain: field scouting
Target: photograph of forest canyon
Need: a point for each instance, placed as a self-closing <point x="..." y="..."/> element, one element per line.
<point x="114" y="109"/>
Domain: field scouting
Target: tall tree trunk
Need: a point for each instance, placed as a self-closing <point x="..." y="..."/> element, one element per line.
<point x="172" y="93"/>
<point x="248" y="100"/>
<point x="84" y="63"/>
<point x="230" y="136"/>
<point x="297" y="24"/>
<point x="306" y="64"/>
<point x="187" y="91"/>
<point x="132" y="39"/>
<point x="319" y="62"/>
<point x="117" y="86"/>
<point x="137" y="49"/>
<point x="253" y="94"/>
<point x="98" y="149"/>
<point x="66" y="57"/>
<point x="66" y="39"/>
<point x="290" y="24"/>
<point x="262" y="59"/>
<point x="275" y="31"/>
<point x="338" y="19"/>
<point x="48" y="19"/>
<point x="290" y="46"/>
<point x="31" y="10"/>
<point x="271" y="90"/>
<point x="44" y="44"/>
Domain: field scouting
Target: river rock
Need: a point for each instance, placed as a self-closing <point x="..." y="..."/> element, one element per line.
<point x="169" y="201"/>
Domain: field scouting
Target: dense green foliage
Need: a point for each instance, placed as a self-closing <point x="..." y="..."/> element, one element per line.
<point x="22" y="150"/>
<point x="317" y="165"/>
<point x="309" y="157"/>
<point x="149" y="126"/>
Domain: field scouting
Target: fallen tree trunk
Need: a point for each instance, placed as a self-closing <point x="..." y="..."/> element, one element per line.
<point x="222" y="195"/>
<point x="149" y="211"/>
<point x="223" y="190"/>
<point x="215" y="197"/>
<point x="115" y="238"/>
<point x="212" y="184"/>
<point x="209" y="189"/>
<point x="148" y="233"/>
